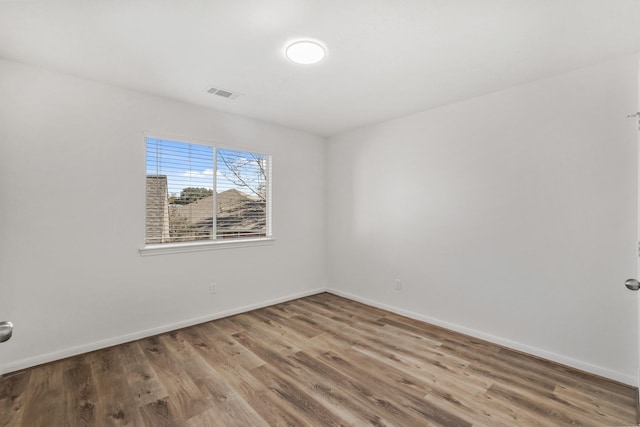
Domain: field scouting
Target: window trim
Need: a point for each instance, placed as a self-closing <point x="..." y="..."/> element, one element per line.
<point x="206" y="245"/>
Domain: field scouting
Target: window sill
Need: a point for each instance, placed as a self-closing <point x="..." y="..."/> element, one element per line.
<point x="176" y="248"/>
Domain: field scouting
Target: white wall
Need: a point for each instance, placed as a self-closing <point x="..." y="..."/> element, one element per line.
<point x="511" y="216"/>
<point x="72" y="218"/>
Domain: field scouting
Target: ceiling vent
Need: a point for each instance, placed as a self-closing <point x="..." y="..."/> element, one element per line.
<point x="222" y="92"/>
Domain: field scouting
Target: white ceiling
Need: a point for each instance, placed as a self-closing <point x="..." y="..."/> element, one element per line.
<point x="386" y="58"/>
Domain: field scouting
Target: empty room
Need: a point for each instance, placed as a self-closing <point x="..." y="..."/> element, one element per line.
<point x="319" y="212"/>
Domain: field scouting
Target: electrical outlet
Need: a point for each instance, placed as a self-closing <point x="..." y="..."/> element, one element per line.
<point x="398" y="285"/>
<point x="212" y="288"/>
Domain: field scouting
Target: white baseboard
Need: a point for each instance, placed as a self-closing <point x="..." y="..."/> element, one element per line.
<point x="577" y="364"/>
<point x="97" y="345"/>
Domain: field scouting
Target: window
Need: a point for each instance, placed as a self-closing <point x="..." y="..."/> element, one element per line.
<point x="199" y="193"/>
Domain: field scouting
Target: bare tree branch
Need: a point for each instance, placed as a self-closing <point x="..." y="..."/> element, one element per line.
<point x="239" y="179"/>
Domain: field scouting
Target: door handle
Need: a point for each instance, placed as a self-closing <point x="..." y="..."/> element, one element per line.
<point x="6" y="329"/>
<point x="632" y="284"/>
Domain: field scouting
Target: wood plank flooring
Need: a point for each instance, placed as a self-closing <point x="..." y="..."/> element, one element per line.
<point x="320" y="360"/>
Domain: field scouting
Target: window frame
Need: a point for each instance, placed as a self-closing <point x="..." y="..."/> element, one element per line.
<point x="213" y="244"/>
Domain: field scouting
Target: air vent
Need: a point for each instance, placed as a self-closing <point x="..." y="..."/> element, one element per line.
<point x="222" y="92"/>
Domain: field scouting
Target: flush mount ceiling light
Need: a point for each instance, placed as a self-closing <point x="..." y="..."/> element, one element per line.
<point x="305" y="52"/>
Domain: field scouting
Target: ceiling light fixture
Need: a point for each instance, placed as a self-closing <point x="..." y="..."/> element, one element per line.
<point x="305" y="52"/>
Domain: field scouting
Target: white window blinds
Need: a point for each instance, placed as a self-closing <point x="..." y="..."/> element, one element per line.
<point x="198" y="192"/>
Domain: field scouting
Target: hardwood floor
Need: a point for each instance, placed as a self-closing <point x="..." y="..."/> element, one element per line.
<point x="320" y="360"/>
